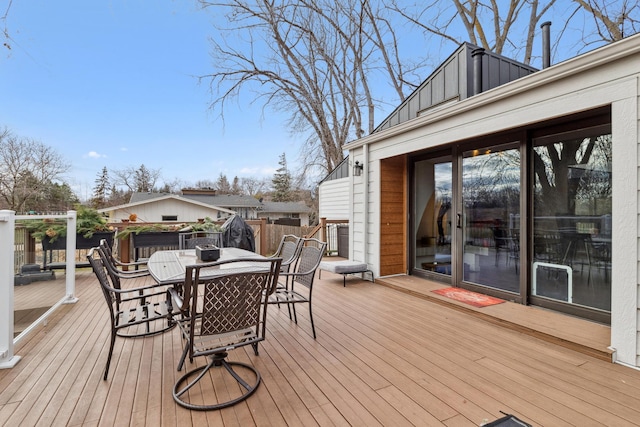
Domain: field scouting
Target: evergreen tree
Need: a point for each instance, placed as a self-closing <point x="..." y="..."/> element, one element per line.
<point x="282" y="182"/>
<point x="235" y="186"/>
<point x="222" y="185"/>
<point x="143" y="180"/>
<point x="101" y="190"/>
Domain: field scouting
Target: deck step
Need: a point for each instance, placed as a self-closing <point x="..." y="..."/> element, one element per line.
<point x="593" y="341"/>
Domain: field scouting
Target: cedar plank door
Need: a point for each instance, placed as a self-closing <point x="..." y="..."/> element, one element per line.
<point x="393" y="207"/>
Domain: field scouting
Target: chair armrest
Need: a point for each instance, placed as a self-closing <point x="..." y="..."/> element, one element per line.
<point x="177" y="301"/>
<point x="130" y="264"/>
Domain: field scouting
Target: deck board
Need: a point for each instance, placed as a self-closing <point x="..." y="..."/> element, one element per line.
<point x="383" y="357"/>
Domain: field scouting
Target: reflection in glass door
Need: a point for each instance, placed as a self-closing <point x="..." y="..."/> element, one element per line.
<point x="572" y="204"/>
<point x="432" y="216"/>
<point x="491" y="213"/>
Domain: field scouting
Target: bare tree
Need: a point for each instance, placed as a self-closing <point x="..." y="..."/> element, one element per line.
<point x="314" y="60"/>
<point x="137" y="180"/>
<point x="5" y="29"/>
<point x="27" y="168"/>
<point x="253" y="186"/>
<point x="493" y="25"/>
<point x="612" y="20"/>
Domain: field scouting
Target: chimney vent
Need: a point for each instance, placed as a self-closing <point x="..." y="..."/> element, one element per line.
<point x="477" y="55"/>
<point x="546" y="44"/>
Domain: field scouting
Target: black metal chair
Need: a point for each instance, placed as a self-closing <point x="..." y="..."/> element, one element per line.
<point x="131" y="308"/>
<point x="310" y="255"/>
<point x="199" y="238"/>
<point x="222" y="309"/>
<point x="123" y="267"/>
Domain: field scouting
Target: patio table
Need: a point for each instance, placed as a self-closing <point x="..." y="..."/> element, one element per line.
<point x="169" y="267"/>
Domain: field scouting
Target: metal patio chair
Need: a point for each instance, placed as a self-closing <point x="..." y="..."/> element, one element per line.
<point x="303" y="274"/>
<point x="222" y="309"/>
<point x="123" y="267"/>
<point x="199" y="238"/>
<point x="288" y="250"/>
<point x="132" y="308"/>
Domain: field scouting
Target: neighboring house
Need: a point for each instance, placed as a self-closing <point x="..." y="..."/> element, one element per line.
<point x="246" y="207"/>
<point x="165" y="207"/>
<point x="194" y="204"/>
<point x="290" y="210"/>
<point x="524" y="188"/>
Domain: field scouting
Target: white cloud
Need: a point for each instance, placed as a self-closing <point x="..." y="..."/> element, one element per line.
<point x="95" y="155"/>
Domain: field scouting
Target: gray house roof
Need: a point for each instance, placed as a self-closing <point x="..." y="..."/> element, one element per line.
<point x="228" y="201"/>
<point x="284" y="207"/>
<point x="456" y="79"/>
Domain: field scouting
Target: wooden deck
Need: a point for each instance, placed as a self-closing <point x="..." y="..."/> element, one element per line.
<point x="383" y="356"/>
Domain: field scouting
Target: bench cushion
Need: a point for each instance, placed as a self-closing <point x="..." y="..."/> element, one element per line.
<point x="343" y="267"/>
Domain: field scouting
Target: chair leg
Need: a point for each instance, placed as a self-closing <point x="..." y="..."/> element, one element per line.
<point x="183" y="357"/>
<point x="295" y="315"/>
<point x="113" y="341"/>
<point x="313" y="328"/>
<point x="217" y="361"/>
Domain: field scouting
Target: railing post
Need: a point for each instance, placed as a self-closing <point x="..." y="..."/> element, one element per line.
<point x="323" y="230"/>
<point x="7" y="249"/>
<point x="70" y="273"/>
<point x="263" y="236"/>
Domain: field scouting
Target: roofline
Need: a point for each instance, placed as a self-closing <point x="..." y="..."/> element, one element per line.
<point x="590" y="60"/>
<point x="165" y="197"/>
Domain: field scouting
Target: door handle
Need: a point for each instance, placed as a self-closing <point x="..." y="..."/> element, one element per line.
<point x="459" y="220"/>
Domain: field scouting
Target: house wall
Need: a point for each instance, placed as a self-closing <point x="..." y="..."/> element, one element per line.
<point x="153" y="212"/>
<point x="333" y="198"/>
<point x="605" y="77"/>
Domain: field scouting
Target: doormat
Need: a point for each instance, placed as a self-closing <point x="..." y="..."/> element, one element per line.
<point x="472" y="298"/>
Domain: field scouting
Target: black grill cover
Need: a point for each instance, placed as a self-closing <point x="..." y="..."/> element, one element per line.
<point x="238" y="234"/>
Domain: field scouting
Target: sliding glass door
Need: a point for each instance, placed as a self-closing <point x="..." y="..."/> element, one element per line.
<point x="491" y="217"/>
<point x="572" y="220"/>
<point x="432" y="219"/>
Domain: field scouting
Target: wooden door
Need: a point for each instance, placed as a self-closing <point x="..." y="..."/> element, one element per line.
<point x="393" y="216"/>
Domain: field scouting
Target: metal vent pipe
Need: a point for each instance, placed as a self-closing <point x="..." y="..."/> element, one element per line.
<point x="546" y="44"/>
<point x="477" y="55"/>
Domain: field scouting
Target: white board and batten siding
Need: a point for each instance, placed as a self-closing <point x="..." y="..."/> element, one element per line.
<point x="334" y="199"/>
<point x="154" y="212"/>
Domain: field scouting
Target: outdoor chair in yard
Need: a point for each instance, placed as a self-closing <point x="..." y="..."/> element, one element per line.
<point x="299" y="281"/>
<point x="220" y="310"/>
<point x="132" y="311"/>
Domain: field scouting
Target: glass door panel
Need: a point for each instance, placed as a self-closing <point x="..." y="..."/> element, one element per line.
<point x="432" y="216"/>
<point x="572" y="218"/>
<point x="491" y="217"/>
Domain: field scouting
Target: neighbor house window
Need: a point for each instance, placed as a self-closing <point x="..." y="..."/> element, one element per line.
<point x="169" y="217"/>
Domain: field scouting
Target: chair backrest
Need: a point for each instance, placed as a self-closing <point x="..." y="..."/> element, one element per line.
<point x="104" y="245"/>
<point x="311" y="253"/>
<point x="288" y="250"/>
<point x="199" y="238"/>
<point x="226" y="298"/>
<point x="108" y="289"/>
<point x="106" y="260"/>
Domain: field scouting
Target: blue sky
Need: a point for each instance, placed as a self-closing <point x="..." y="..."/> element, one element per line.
<point x="114" y="83"/>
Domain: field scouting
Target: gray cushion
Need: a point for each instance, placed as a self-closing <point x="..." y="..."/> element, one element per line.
<point x="343" y="267"/>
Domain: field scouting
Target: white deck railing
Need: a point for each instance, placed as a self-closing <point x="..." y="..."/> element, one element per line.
<point x="7" y="276"/>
